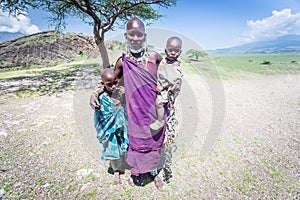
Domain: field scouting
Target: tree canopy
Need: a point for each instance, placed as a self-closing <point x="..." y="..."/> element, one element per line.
<point x="103" y="15"/>
<point x="196" y="53"/>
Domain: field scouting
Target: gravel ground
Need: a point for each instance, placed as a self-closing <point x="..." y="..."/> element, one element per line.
<point x="239" y="139"/>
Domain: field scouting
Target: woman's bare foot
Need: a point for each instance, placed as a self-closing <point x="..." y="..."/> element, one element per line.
<point x="158" y="183"/>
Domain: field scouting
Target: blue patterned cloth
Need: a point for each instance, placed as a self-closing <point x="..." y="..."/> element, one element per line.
<point x="111" y="127"/>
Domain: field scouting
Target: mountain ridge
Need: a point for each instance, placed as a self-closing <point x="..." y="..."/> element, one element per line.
<point x="283" y="44"/>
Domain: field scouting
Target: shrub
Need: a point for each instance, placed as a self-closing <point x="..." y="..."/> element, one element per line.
<point x="265" y="62"/>
<point x="55" y="63"/>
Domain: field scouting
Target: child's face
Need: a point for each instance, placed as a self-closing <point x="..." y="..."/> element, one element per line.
<point x="110" y="83"/>
<point x="173" y="49"/>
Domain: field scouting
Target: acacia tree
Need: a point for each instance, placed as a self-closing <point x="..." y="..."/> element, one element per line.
<point x="196" y="53"/>
<point x="103" y="15"/>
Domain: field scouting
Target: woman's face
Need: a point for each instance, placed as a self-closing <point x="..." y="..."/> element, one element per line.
<point x="135" y="35"/>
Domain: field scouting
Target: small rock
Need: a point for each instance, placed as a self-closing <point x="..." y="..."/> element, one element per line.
<point x="81" y="174"/>
<point x="17" y="185"/>
<point x="3" y="133"/>
<point x="2" y="192"/>
<point x="15" y="122"/>
<point x="46" y="185"/>
<point x="85" y="186"/>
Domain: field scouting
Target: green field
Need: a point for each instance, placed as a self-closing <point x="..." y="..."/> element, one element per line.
<point x="216" y="65"/>
<point x="238" y="65"/>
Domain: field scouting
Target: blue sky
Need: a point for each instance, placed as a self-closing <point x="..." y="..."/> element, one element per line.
<point x="209" y="23"/>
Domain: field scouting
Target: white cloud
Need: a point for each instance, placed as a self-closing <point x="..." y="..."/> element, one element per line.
<point x="279" y="24"/>
<point x="20" y="24"/>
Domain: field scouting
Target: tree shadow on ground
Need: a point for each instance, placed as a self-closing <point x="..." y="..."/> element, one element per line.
<point x="47" y="81"/>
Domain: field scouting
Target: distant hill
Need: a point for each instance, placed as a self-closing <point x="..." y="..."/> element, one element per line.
<point x="45" y="49"/>
<point x="6" y="36"/>
<point x="284" y="44"/>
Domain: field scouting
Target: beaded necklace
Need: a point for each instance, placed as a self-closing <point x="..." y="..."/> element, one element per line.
<point x="170" y="61"/>
<point x="141" y="61"/>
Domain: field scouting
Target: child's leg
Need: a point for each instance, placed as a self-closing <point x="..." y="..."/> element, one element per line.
<point x="160" y="111"/>
<point x="117" y="178"/>
<point x="123" y="163"/>
<point x="114" y="164"/>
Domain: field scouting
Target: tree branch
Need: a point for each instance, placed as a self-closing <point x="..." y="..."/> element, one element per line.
<point x="125" y="8"/>
<point x="111" y="19"/>
<point x="79" y="6"/>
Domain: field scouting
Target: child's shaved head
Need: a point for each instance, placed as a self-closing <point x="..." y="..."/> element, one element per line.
<point x="108" y="74"/>
<point x="174" y="40"/>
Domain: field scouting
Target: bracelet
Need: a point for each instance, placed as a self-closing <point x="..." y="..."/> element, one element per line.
<point x="95" y="94"/>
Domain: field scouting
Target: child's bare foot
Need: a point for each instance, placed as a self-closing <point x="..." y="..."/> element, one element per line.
<point x="158" y="183"/>
<point x="117" y="178"/>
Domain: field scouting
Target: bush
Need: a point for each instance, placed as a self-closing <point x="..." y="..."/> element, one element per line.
<point x="55" y="63"/>
<point x="265" y="62"/>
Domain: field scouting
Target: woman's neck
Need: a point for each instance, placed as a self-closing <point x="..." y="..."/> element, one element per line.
<point x="137" y="55"/>
<point x="136" y="50"/>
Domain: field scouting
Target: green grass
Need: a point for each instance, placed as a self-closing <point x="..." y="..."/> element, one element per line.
<point x="243" y="189"/>
<point x="33" y="70"/>
<point x="214" y="66"/>
<point x="90" y="195"/>
<point x="90" y="178"/>
<point x="39" y="41"/>
<point x="228" y="66"/>
<point x="223" y="66"/>
<point x="30" y="67"/>
<point x="264" y="64"/>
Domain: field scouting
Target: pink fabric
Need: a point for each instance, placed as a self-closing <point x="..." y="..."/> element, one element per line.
<point x="140" y="90"/>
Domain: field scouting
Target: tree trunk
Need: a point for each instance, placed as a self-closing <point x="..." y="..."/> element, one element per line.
<point x="104" y="55"/>
<point x="101" y="46"/>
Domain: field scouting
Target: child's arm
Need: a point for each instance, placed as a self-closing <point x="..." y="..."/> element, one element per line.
<point x="163" y="86"/>
<point x="94" y="102"/>
<point x="175" y="89"/>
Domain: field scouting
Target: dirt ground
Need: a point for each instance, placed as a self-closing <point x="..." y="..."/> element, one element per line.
<point x="238" y="139"/>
